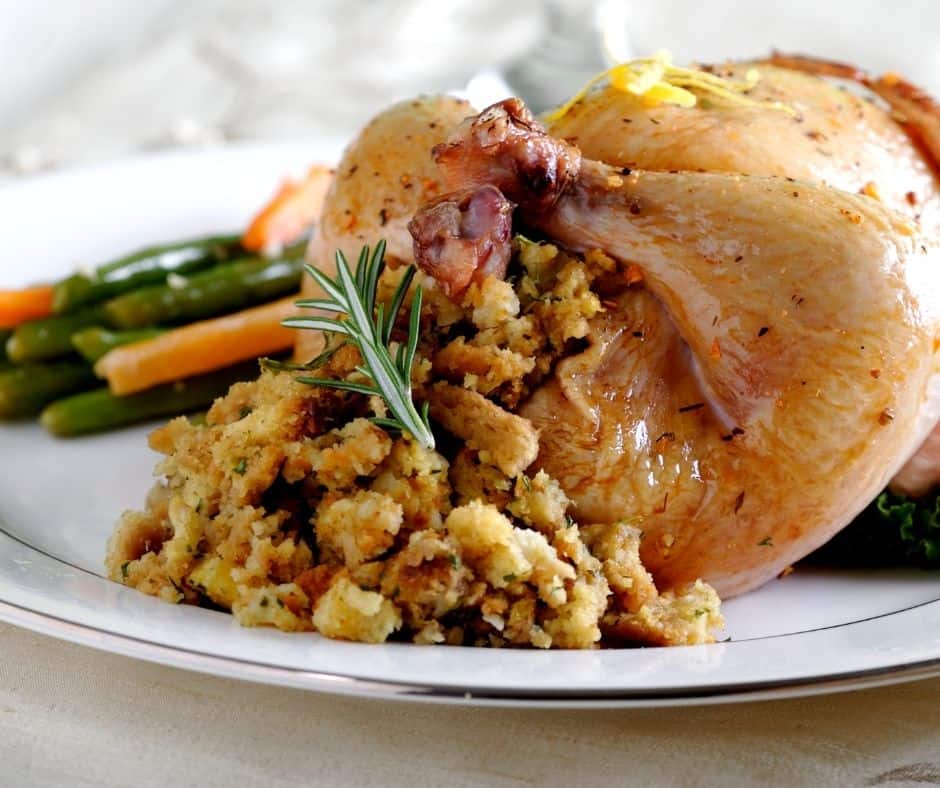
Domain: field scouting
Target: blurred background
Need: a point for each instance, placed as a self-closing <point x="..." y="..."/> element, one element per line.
<point x="99" y="79"/>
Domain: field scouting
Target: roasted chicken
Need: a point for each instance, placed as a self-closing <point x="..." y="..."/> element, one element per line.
<point x="774" y="362"/>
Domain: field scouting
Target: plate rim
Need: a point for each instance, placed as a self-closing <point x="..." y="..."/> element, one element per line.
<point x="352" y="686"/>
<point x="30" y="615"/>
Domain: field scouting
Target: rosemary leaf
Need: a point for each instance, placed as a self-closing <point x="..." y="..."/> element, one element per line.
<point x="397" y="301"/>
<point x="309" y="366"/>
<point x="345" y="385"/>
<point x="317" y="324"/>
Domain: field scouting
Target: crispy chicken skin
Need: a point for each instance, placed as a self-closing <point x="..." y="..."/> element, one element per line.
<point x="763" y="387"/>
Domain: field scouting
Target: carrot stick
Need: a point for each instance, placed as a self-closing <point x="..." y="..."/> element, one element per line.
<point x="198" y="348"/>
<point x="18" y="306"/>
<point x="290" y="213"/>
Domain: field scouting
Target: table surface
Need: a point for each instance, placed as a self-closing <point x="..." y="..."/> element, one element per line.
<point x="70" y="715"/>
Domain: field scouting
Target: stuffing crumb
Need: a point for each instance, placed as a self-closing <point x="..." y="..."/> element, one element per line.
<point x="349" y="613"/>
<point x="503" y="439"/>
<point x="359" y="528"/>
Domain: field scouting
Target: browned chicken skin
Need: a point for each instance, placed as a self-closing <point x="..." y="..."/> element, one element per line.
<point x="772" y="372"/>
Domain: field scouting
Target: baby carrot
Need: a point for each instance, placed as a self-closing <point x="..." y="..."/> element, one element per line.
<point x="198" y="348"/>
<point x="18" y="306"/>
<point x="290" y="213"/>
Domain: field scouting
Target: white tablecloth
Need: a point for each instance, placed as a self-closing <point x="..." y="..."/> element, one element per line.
<point x="74" y="716"/>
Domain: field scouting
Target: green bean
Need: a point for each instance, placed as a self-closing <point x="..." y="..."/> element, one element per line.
<point x="226" y="288"/>
<point x="144" y="267"/>
<point x="27" y="389"/>
<point x="50" y="337"/>
<point x="100" y="410"/>
<point x="5" y="334"/>
<point x="93" y="343"/>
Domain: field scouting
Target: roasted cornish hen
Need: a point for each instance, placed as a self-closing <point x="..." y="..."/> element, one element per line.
<point x="771" y="361"/>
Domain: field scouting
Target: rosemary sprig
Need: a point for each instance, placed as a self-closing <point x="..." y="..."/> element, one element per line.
<point x="351" y="296"/>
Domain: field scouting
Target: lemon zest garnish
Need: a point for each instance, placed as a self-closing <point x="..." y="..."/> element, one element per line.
<point x="657" y="81"/>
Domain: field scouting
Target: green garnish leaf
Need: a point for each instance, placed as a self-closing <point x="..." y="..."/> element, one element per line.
<point x="369" y="327"/>
<point x="315" y="363"/>
<point x="892" y="530"/>
<point x="241" y="466"/>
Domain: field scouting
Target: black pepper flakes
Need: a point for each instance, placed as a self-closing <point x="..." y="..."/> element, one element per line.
<point x="739" y="502"/>
<point x="763" y="331"/>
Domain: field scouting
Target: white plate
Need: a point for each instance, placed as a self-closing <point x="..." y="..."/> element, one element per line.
<point x="814" y="631"/>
